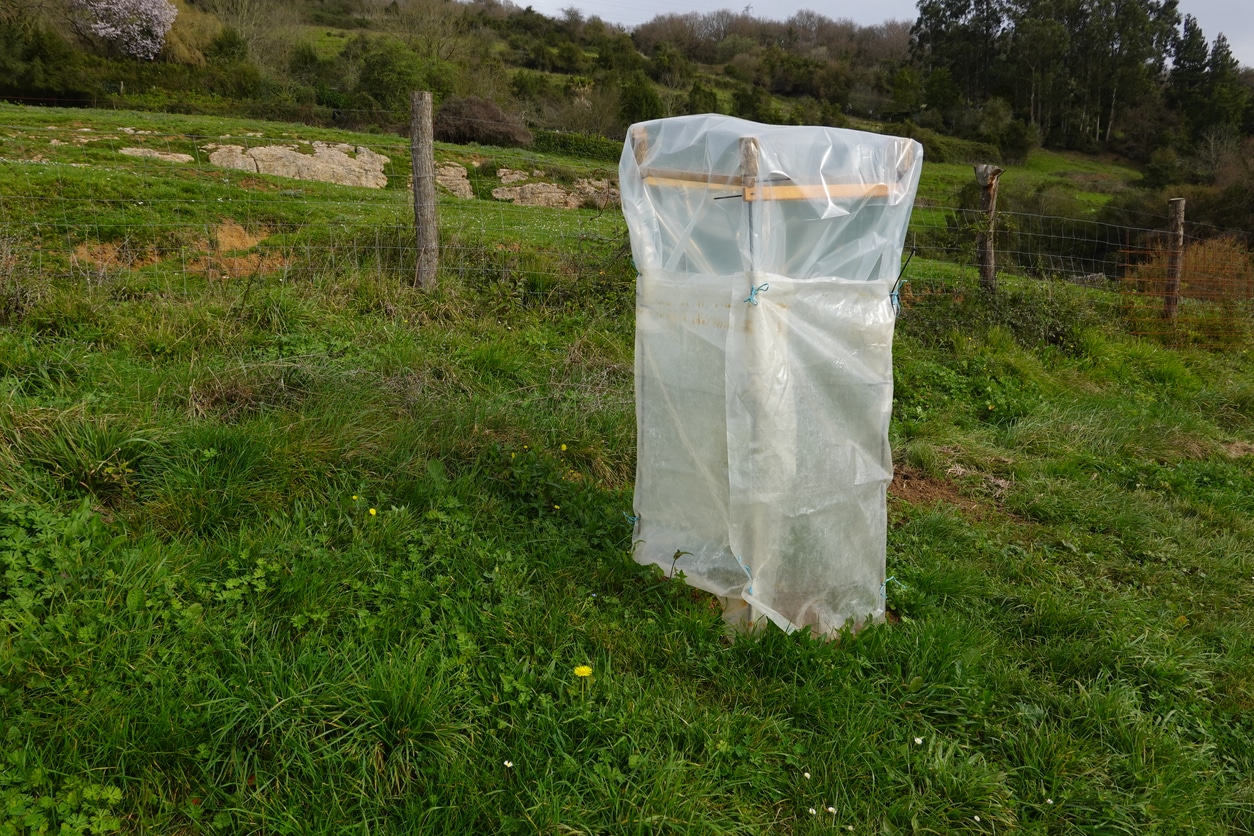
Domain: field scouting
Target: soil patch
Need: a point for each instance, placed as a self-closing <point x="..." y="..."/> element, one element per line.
<point x="911" y="486"/>
<point x="111" y="256"/>
<point x="229" y="235"/>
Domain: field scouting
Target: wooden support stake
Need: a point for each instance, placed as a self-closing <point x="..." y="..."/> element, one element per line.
<point x="1175" y="259"/>
<point x="639" y="144"/>
<point x="986" y="176"/>
<point x="422" y="154"/>
<point x="749" y="181"/>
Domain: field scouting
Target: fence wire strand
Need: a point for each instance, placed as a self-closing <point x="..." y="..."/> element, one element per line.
<point x="108" y="205"/>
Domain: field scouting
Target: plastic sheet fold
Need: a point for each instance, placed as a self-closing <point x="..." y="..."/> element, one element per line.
<point x="767" y="257"/>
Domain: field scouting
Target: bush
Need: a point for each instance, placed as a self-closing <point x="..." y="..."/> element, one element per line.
<point x="472" y="119"/>
<point x="578" y="145"/>
<point x="390" y="72"/>
<point x="945" y="149"/>
<point x="638" y="101"/>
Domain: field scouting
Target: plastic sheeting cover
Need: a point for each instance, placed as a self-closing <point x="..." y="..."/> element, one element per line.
<point x="767" y="256"/>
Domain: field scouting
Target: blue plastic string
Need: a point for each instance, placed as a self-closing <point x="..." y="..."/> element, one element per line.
<point x="748" y="575"/>
<point x="631" y="519"/>
<point x="895" y="296"/>
<point x="752" y="298"/>
<point x="884" y="587"/>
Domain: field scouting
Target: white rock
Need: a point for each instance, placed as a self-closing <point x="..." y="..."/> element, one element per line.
<point x="329" y="163"/>
<point x="453" y="177"/>
<point x="153" y="154"/>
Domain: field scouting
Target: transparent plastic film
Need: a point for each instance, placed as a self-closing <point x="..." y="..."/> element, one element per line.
<point x="767" y="257"/>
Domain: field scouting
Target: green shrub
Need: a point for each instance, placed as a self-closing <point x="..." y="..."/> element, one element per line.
<point x="578" y="145"/>
<point x="945" y="149"/>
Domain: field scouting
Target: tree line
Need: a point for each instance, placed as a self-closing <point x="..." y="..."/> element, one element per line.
<point x="1133" y="77"/>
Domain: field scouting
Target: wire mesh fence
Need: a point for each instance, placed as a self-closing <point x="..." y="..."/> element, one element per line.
<point x="110" y="200"/>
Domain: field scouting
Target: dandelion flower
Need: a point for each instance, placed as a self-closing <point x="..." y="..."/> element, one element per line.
<point x="557" y="507"/>
<point x="563" y="448"/>
<point x="373" y="512"/>
<point x="354" y="496"/>
<point x="583" y="670"/>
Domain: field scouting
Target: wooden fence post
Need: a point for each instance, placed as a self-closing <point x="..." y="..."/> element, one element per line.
<point x="986" y="176"/>
<point x="1175" y="259"/>
<point x="422" y="154"/>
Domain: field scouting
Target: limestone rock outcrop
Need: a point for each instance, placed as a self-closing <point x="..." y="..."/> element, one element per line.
<point x="328" y="162"/>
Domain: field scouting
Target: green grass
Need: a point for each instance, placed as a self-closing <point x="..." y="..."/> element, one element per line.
<point x="310" y="551"/>
<point x="1085" y="181"/>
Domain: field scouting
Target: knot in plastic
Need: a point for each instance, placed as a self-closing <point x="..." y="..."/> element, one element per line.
<point x="895" y="296"/>
<point x="752" y="298"/>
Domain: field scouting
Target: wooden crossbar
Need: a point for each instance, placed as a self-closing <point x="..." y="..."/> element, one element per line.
<point x="768" y="191"/>
<point x="751" y="188"/>
<point x="835" y="191"/>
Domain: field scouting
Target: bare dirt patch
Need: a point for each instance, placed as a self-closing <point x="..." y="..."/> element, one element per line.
<point x="112" y="256"/>
<point x="230" y="235"/>
<point x="911" y="486"/>
<point x="232" y="253"/>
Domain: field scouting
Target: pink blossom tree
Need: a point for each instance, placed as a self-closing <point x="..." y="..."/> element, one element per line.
<point x="136" y="27"/>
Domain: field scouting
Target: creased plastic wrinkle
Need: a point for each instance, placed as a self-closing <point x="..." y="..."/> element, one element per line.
<point x="767" y="257"/>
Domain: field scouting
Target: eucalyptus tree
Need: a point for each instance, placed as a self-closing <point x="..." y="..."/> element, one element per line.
<point x="1038" y="64"/>
<point x="1226" y="97"/>
<point x="1188" y="81"/>
<point x="967" y="37"/>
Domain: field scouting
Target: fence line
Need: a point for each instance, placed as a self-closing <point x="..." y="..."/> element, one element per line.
<point x="105" y="202"/>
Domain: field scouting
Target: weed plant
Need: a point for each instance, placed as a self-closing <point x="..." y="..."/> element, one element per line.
<point x="314" y="552"/>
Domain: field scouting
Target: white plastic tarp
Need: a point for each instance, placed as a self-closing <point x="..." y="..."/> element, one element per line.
<point x="767" y="258"/>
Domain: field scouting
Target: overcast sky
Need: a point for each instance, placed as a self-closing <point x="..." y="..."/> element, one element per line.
<point x="1215" y="16"/>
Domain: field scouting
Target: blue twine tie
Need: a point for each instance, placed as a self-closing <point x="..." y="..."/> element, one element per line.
<point x="895" y="296"/>
<point x="748" y="575"/>
<point x="884" y="587"/>
<point x="631" y="519"/>
<point x="752" y="299"/>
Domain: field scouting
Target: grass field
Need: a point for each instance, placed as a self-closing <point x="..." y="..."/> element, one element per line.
<point x="309" y="551"/>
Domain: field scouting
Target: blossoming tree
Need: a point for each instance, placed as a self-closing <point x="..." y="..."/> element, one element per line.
<point x="136" y="27"/>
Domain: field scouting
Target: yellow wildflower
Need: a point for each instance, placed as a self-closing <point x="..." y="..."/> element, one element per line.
<point x="373" y="512"/>
<point x="583" y="670"/>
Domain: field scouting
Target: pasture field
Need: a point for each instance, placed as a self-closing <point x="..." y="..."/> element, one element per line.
<point x="292" y="547"/>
